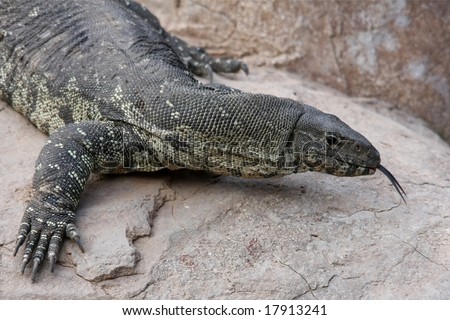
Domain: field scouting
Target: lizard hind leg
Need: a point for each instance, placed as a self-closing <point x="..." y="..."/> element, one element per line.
<point x="196" y="59"/>
<point x="200" y="63"/>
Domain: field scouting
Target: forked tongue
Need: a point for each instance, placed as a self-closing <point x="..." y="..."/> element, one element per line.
<point x="394" y="181"/>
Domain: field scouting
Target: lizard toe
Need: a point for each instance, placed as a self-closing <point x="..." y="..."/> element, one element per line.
<point x="19" y="242"/>
<point x="33" y="239"/>
<point x="54" y="247"/>
<point x="24" y="229"/>
<point x="36" y="264"/>
<point x="72" y="233"/>
<point x="221" y="65"/>
<point x="39" y="252"/>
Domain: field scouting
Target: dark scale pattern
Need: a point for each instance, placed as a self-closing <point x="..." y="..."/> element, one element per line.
<point x="116" y="94"/>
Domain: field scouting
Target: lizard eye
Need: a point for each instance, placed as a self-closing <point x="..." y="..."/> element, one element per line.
<point x="332" y="140"/>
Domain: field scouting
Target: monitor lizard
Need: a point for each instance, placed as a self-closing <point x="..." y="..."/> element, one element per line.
<point x="116" y="93"/>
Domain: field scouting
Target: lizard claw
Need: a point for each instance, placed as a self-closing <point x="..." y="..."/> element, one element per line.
<point x="25" y="260"/>
<point x="244" y="68"/>
<point x="36" y="263"/>
<point x="209" y="73"/>
<point x="72" y="233"/>
<point x="19" y="243"/>
<point x="80" y="246"/>
<point x="52" y="258"/>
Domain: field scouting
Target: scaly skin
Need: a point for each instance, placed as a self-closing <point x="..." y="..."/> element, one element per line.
<point x="116" y="94"/>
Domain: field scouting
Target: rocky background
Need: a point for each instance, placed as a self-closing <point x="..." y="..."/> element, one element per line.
<point x="190" y="235"/>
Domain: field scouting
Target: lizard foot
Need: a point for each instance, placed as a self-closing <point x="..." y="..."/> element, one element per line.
<point x="43" y="231"/>
<point x="202" y="64"/>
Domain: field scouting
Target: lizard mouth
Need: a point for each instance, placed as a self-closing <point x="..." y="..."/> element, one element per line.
<point x="394" y="181"/>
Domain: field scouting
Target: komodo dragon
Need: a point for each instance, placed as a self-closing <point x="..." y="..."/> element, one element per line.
<point x="116" y="94"/>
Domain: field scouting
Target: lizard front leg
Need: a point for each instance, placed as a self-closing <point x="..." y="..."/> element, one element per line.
<point x="62" y="169"/>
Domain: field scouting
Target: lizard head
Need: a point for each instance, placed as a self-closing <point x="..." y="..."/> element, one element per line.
<point x="324" y="143"/>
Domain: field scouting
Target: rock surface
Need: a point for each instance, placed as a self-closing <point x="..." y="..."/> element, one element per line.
<point x="180" y="235"/>
<point x="397" y="51"/>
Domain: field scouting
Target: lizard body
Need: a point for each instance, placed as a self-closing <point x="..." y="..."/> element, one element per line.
<point x="116" y="94"/>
